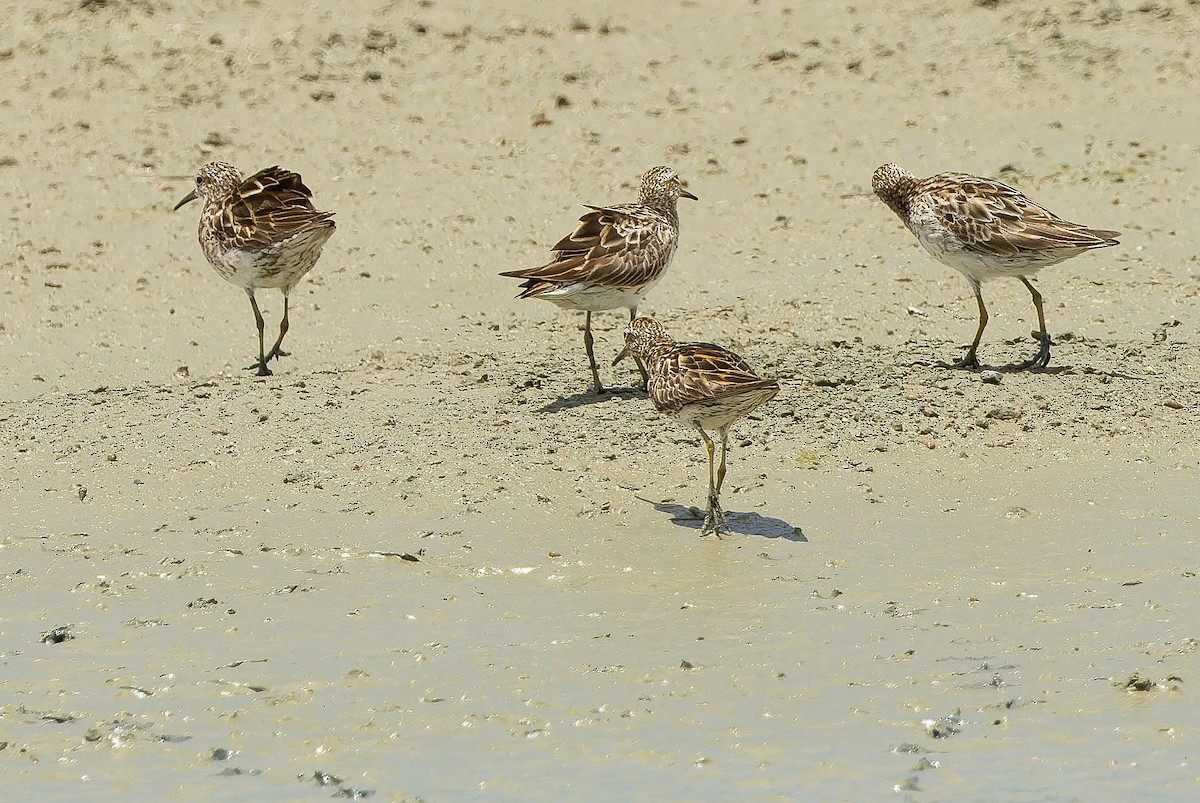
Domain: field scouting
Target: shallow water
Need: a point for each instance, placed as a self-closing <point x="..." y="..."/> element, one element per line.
<point x="635" y="665"/>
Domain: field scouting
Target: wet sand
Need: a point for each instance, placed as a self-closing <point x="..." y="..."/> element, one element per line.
<point x="423" y="561"/>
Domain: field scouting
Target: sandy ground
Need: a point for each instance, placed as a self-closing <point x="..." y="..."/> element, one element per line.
<point x="421" y="561"/>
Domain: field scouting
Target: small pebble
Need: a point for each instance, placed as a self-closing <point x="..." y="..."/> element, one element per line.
<point x="991" y="377"/>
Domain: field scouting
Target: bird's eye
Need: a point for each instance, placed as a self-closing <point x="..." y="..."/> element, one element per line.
<point x="199" y="180"/>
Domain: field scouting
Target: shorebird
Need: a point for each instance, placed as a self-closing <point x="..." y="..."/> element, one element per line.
<point x="262" y="231"/>
<point x="699" y="385"/>
<point x="985" y="229"/>
<point x="614" y="256"/>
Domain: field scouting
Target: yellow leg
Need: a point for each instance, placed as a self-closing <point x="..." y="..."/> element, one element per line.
<point x="261" y="365"/>
<point x="969" y="360"/>
<point x="276" y="351"/>
<point x="724" y="449"/>
<point x="714" y="519"/>
<point x="587" y="344"/>
<point x="641" y="365"/>
<point x="1042" y="358"/>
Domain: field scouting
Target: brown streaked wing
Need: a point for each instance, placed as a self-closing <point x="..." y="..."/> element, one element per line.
<point x="554" y="275"/>
<point x="278" y="181"/>
<point x="603" y="231"/>
<point x="996" y="219"/>
<point x="271" y="206"/>
<point x="709" y="358"/>
<point x="702" y="371"/>
<point x="600" y="250"/>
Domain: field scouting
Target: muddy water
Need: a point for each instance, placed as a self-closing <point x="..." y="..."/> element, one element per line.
<point x="916" y="651"/>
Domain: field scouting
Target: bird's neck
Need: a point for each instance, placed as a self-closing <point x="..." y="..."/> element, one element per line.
<point x="667" y="206"/>
<point x="896" y="196"/>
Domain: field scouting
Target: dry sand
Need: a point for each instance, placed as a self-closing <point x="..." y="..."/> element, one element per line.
<point x="422" y="561"/>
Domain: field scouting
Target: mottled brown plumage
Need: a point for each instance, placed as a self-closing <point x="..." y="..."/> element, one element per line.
<point x="613" y="257"/>
<point x="701" y="385"/>
<point x="986" y="229"/>
<point x="259" y="232"/>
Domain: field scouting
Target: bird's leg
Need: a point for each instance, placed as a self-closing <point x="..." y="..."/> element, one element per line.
<point x="724" y="449"/>
<point x="641" y="365"/>
<point x="1042" y="358"/>
<point x="276" y="351"/>
<point x="587" y="344"/>
<point x="721" y="520"/>
<point x="261" y="365"/>
<point x="714" y="518"/>
<point x="968" y="360"/>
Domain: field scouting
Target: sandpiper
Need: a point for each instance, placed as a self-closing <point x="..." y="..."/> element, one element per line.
<point x="699" y="385"/>
<point x="262" y="231"/>
<point x="985" y="229"/>
<point x="614" y="256"/>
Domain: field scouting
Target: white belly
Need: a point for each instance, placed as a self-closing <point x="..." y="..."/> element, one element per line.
<point x="281" y="266"/>
<point x="979" y="266"/>
<point x="718" y="413"/>
<point x="597" y="299"/>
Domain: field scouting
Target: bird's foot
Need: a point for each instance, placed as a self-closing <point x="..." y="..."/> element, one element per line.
<point x="715" y="520"/>
<point x="597" y="385"/>
<point x="968" y="361"/>
<point x="1042" y="358"/>
<point x="260" y="367"/>
<point x="277" y="352"/>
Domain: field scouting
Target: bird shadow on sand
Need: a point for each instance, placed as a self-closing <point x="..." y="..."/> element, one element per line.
<point x="741" y="523"/>
<point x="1019" y="368"/>
<point x="590" y="397"/>
<point x="1007" y="368"/>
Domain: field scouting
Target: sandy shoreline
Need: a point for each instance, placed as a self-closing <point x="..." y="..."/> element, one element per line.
<point x="422" y="560"/>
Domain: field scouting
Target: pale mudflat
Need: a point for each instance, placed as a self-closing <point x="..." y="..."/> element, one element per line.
<point x="936" y="589"/>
